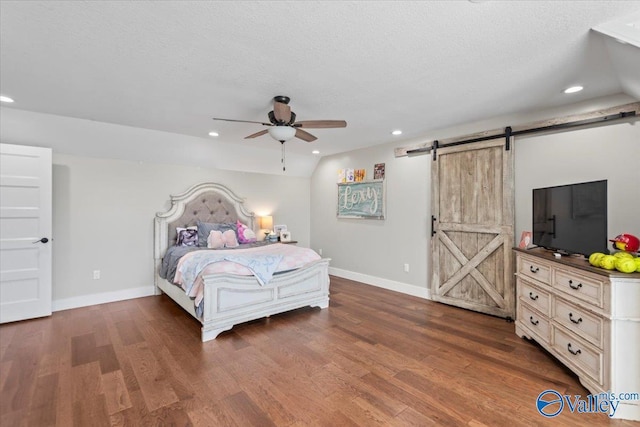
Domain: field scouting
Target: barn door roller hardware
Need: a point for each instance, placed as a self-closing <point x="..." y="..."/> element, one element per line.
<point x="507" y="138"/>
<point x="508" y="132"/>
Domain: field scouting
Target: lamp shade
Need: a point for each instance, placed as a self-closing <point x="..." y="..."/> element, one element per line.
<point x="282" y="133"/>
<point x="266" y="222"/>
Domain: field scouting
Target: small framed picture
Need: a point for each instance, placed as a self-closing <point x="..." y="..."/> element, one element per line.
<point x="525" y="240"/>
<point x="285" y="236"/>
<point x="277" y="229"/>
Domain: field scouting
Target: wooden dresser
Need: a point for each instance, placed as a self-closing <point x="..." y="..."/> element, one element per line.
<point x="587" y="317"/>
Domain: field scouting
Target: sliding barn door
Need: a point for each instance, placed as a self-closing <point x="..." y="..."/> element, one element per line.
<point x="473" y="217"/>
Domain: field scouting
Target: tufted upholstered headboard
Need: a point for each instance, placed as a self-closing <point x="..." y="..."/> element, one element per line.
<point x="206" y="202"/>
<point x="207" y="207"/>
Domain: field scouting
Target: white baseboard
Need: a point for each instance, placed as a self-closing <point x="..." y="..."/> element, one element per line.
<point x="392" y="285"/>
<point x="145" y="291"/>
<point x="102" y="298"/>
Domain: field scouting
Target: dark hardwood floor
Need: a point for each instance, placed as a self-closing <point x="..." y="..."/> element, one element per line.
<point x="374" y="357"/>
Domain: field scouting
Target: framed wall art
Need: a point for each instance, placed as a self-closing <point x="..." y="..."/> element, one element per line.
<point x="361" y="200"/>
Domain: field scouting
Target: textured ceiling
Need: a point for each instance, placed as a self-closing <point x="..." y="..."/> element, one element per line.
<point x="417" y="66"/>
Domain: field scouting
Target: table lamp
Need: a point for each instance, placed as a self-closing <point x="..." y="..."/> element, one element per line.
<point x="266" y="224"/>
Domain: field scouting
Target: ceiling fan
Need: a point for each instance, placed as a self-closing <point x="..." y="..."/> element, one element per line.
<point x="283" y="126"/>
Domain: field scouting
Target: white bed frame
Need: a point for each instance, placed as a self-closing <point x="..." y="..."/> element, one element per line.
<point x="231" y="299"/>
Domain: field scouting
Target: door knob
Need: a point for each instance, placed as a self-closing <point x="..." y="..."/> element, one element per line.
<point x="43" y="240"/>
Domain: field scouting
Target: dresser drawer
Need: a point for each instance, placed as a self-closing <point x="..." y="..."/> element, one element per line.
<point x="534" y="296"/>
<point x="532" y="268"/>
<point x="581" y="287"/>
<point x="578" y="354"/>
<point x="579" y="321"/>
<point x="534" y="321"/>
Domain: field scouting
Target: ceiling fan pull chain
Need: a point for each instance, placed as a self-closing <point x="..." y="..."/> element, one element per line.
<point x="283" y="159"/>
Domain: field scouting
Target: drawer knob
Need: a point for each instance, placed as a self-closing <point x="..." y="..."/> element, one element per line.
<point x="533" y="322"/>
<point x="578" y="286"/>
<point x="575" y="353"/>
<point x="574" y="320"/>
<point x="534" y="270"/>
<point x="533" y="297"/>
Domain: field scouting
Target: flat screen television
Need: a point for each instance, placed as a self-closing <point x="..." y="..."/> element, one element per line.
<point x="571" y="218"/>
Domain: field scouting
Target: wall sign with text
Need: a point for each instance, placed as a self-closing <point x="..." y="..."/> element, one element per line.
<point x="361" y="200"/>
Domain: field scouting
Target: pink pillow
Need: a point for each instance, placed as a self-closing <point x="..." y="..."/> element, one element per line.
<point x="245" y="234"/>
<point x="215" y="240"/>
<point x="230" y="240"/>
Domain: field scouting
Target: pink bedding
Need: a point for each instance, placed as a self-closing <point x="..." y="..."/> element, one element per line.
<point x="293" y="257"/>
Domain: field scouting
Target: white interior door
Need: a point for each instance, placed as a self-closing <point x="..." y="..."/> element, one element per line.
<point x="25" y="232"/>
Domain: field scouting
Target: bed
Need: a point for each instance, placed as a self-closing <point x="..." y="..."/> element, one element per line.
<point x="228" y="298"/>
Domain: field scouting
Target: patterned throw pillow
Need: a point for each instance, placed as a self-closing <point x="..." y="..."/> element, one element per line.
<point x="245" y="234"/>
<point x="187" y="236"/>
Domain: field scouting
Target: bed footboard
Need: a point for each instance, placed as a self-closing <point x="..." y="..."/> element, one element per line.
<point x="230" y="299"/>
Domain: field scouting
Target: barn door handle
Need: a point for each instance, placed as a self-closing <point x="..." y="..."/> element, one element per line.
<point x="433" y="225"/>
<point x="43" y="240"/>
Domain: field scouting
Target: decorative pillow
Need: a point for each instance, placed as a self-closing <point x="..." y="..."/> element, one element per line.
<point x="215" y="240"/>
<point x="219" y="240"/>
<point x="187" y="236"/>
<point x="204" y="228"/>
<point x="245" y="234"/>
<point x="229" y="239"/>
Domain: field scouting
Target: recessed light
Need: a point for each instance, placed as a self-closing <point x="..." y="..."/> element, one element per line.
<point x="396" y="132"/>
<point x="214" y="134"/>
<point x="5" y="99"/>
<point x="315" y="152"/>
<point x="573" y="89"/>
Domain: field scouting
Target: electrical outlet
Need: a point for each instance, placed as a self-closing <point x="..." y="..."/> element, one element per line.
<point x="406" y="268"/>
<point x="96" y="274"/>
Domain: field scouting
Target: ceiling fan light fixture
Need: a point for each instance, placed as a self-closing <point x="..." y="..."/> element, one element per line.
<point x="282" y="133"/>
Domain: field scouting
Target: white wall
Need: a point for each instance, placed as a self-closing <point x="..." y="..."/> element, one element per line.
<point x="110" y="180"/>
<point x="589" y="154"/>
<point x="103" y="214"/>
<point x="67" y="135"/>
<point x="375" y="251"/>
<point x="375" y="248"/>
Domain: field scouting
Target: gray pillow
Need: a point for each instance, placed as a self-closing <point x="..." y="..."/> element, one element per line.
<point x="204" y="228"/>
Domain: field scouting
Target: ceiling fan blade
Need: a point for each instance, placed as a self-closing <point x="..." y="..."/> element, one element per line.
<point x="242" y="121"/>
<point x="282" y="112"/>
<point x="254" y="135"/>
<point x="305" y="136"/>
<point x="318" y="124"/>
